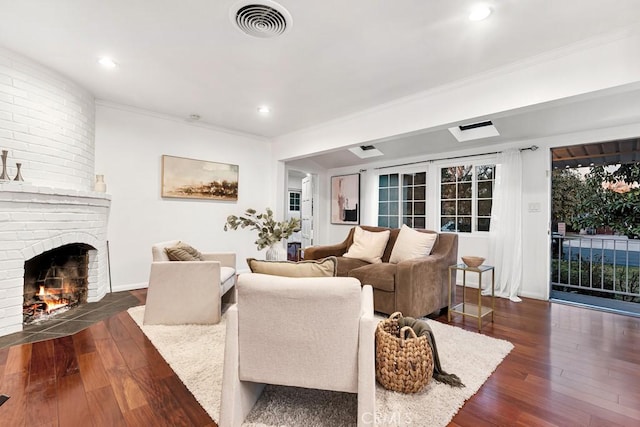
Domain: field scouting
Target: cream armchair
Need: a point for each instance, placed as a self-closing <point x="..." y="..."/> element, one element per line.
<point x="304" y="332"/>
<point x="188" y="292"/>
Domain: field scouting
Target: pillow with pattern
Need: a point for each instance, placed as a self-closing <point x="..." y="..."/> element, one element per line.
<point x="183" y="252"/>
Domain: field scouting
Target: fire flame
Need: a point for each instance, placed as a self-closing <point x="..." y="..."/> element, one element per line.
<point x="51" y="302"/>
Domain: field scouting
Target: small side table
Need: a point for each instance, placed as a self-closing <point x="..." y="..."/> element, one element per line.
<point x="469" y="309"/>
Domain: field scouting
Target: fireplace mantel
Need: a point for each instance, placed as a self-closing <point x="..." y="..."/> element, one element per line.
<point x="18" y="192"/>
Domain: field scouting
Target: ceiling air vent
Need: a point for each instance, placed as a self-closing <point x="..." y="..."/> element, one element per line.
<point x="476" y="125"/>
<point x="263" y="19"/>
<point x="472" y="131"/>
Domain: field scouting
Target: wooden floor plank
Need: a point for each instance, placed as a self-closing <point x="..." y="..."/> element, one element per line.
<point x="131" y="391"/>
<point x="116" y="328"/>
<point x="14" y="410"/>
<point x="104" y="408"/>
<point x="18" y="359"/>
<point x="42" y="403"/>
<point x="530" y="420"/>
<point x="4" y="354"/>
<point x="83" y="342"/>
<point x="73" y="407"/>
<point x="158" y="394"/>
<point x="99" y="331"/>
<point x="602" y="401"/>
<point x="133" y="329"/>
<point x="131" y="353"/>
<point x="93" y="374"/>
<point x="66" y="362"/>
<point x="196" y="414"/>
<point x="143" y="416"/>
<point x="109" y="354"/>
<point x="158" y="367"/>
<point x="40" y="395"/>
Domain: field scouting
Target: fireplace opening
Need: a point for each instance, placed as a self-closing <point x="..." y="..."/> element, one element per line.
<point x="55" y="281"/>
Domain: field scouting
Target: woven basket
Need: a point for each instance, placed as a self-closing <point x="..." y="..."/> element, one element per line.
<point x="402" y="364"/>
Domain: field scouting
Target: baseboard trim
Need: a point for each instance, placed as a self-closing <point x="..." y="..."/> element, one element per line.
<point x="130" y="287"/>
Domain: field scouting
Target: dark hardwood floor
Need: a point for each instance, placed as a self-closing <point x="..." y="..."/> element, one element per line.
<point x="570" y="366"/>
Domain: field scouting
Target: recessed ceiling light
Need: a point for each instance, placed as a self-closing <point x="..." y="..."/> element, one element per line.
<point x="107" y="62"/>
<point x="479" y="13"/>
<point x="264" y="110"/>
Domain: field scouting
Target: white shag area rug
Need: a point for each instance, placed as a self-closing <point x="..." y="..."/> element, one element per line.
<point x="196" y="354"/>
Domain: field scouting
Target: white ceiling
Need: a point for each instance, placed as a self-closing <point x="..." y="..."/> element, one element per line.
<point x="340" y="56"/>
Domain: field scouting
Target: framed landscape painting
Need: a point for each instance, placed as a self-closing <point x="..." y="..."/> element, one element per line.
<point x="345" y="199"/>
<point x="198" y="179"/>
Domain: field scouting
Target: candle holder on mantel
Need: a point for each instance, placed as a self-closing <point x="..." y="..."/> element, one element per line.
<point x="5" y="175"/>
<point x="18" y="174"/>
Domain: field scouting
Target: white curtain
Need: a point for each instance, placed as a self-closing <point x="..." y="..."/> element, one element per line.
<point x="505" y="232"/>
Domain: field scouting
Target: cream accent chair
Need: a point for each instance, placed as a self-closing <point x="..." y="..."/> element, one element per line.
<point x="188" y="292"/>
<point x="312" y="332"/>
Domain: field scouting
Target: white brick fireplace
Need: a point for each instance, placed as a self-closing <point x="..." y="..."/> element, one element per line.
<point x="34" y="220"/>
<point x="47" y="124"/>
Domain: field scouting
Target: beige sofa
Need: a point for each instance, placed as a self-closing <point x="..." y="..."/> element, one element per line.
<point x="416" y="287"/>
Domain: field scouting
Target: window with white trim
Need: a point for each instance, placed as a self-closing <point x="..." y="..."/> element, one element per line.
<point x="294" y="201"/>
<point x="466" y="197"/>
<point x="388" y="200"/>
<point x="402" y="199"/>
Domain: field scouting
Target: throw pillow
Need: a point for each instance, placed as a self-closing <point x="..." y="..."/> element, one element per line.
<point x="368" y="245"/>
<point x="412" y="244"/>
<point x="183" y="252"/>
<point x="326" y="267"/>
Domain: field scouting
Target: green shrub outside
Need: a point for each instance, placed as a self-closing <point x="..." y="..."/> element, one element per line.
<point x="606" y="277"/>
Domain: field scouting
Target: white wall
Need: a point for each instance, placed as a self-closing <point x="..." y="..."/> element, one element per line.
<point x="129" y="147"/>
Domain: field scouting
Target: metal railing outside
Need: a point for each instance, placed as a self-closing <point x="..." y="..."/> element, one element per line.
<point x="603" y="266"/>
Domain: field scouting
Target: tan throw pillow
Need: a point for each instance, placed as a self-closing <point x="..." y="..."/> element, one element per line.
<point x="412" y="244"/>
<point x="183" y="252"/>
<point x="368" y="245"/>
<point x="326" y="267"/>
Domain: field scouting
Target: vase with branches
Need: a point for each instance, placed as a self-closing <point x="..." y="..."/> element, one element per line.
<point x="270" y="232"/>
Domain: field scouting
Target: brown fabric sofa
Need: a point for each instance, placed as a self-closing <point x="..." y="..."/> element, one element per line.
<point x="417" y="287"/>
